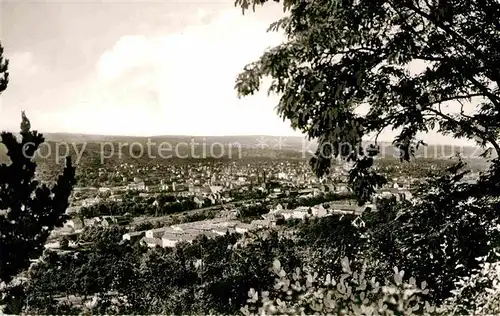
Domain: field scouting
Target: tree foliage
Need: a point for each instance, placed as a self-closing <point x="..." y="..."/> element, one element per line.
<point x="32" y="209"/>
<point x="441" y="233"/>
<point x="303" y="292"/>
<point x="28" y="210"/>
<point x="477" y="294"/>
<point x="347" y="70"/>
<point x="4" y="73"/>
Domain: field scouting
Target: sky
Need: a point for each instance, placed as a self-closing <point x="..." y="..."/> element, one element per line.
<point x="138" y="68"/>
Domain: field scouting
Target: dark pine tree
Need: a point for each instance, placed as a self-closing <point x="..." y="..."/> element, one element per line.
<point x="29" y="210"/>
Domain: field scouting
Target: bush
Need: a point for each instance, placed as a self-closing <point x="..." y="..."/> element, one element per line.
<point x="304" y="293"/>
<point x="478" y="294"/>
<point x="253" y="211"/>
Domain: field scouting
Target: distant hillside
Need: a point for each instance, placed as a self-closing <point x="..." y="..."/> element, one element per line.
<point x="260" y="142"/>
<point x="250" y="141"/>
<point x="251" y="146"/>
<point x="94" y="151"/>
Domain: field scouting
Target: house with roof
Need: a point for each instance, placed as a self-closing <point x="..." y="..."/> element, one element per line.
<point x="399" y="193"/>
<point x="156" y="233"/>
<point x="198" y="189"/>
<point x="133" y="236"/>
<point x="137" y="186"/>
<point x="358" y="222"/>
<point x="287" y="214"/>
<point x="282" y="176"/>
<point x="300" y="213"/>
<point x="170" y="239"/>
<point x="90" y="201"/>
<point x="319" y="211"/>
<point x="164" y="186"/>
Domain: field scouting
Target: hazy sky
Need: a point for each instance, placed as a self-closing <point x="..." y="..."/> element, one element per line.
<point x="137" y="68"/>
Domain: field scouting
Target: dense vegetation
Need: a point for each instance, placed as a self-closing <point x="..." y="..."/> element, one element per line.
<point x="29" y="210"/>
<point x="434" y="255"/>
<point x="178" y="282"/>
<point x="135" y="205"/>
<point x="165" y="204"/>
<point x="343" y="74"/>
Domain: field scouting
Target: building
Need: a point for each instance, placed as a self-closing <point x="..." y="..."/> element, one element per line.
<point x="358" y="222"/>
<point x="171" y="239"/>
<point x="282" y="176"/>
<point x="133" y="236"/>
<point x="319" y="211"/>
<point x="156" y="233"/>
<point x="163" y="186"/>
<point x="90" y="201"/>
<point x="261" y="223"/>
<point x="139" y="186"/>
<point x="300" y="213"/>
<point x="399" y="193"/>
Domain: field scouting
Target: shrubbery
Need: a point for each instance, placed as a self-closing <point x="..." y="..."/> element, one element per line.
<point x="302" y="292"/>
<point x="138" y="206"/>
<point x="436" y="238"/>
<point x="479" y="293"/>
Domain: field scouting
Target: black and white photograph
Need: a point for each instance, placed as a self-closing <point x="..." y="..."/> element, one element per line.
<point x="250" y="157"/>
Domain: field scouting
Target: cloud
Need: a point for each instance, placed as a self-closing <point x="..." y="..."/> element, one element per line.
<point x="183" y="83"/>
<point x="24" y="75"/>
<point x="128" y="52"/>
<point x="22" y="64"/>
